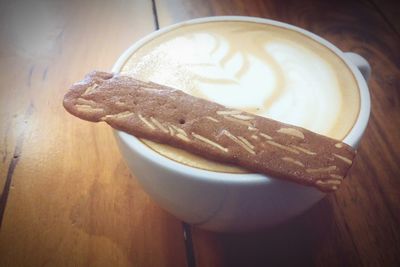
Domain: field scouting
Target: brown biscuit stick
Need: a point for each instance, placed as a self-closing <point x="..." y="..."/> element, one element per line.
<point x="170" y="116"/>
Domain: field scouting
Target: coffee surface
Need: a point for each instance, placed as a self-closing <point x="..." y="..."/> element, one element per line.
<point x="263" y="69"/>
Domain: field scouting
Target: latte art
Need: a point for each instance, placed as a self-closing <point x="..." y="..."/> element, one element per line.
<point x="263" y="69"/>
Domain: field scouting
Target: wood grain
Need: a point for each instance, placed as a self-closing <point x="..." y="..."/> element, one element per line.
<point x="390" y="11"/>
<point x="71" y="200"/>
<point x="359" y="225"/>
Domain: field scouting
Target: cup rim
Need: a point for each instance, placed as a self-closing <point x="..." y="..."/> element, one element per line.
<point x="352" y="138"/>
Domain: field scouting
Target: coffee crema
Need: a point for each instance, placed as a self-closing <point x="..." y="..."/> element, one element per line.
<point x="264" y="69"/>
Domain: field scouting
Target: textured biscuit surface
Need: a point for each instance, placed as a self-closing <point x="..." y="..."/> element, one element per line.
<point x="170" y="116"/>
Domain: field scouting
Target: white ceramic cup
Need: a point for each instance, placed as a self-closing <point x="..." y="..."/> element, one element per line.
<point x="225" y="201"/>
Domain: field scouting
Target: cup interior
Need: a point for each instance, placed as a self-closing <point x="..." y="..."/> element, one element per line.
<point x="352" y="138"/>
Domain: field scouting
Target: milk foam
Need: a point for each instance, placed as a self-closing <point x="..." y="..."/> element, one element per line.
<point x="305" y="75"/>
<point x="272" y="72"/>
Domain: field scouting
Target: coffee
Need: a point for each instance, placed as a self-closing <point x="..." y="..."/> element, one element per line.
<point x="264" y="69"/>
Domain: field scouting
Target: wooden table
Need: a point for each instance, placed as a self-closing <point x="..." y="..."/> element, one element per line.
<point x="67" y="198"/>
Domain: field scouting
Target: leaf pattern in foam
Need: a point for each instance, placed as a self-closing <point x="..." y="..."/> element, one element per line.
<point x="226" y="70"/>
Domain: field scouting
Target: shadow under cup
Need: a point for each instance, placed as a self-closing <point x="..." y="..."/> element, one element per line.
<point x="226" y="201"/>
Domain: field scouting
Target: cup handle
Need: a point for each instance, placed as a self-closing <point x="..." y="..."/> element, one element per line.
<point x="361" y="63"/>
